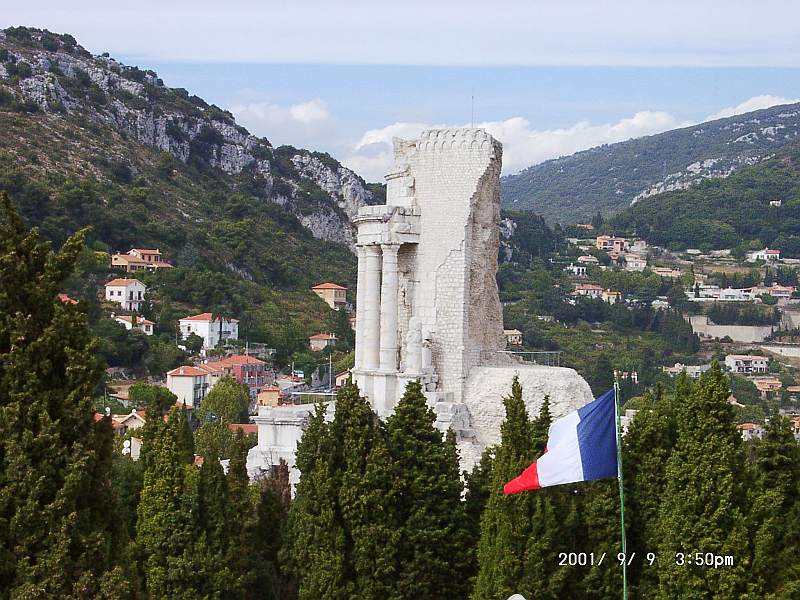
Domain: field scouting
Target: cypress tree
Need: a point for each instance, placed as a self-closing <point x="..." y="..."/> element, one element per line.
<point x="430" y="561"/>
<point x="776" y="513"/>
<point x="518" y="531"/>
<point x="167" y="516"/>
<point x="315" y="539"/>
<point x="56" y="512"/>
<point x="478" y="485"/>
<point x="242" y="559"/>
<point x="353" y="432"/>
<point x="646" y="449"/>
<point x="211" y="536"/>
<point x="703" y="508"/>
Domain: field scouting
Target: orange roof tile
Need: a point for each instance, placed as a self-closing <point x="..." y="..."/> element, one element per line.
<point x="328" y="286"/>
<point x="146" y="250"/>
<point x="322" y="336"/>
<point x="139" y="320"/>
<point x="123" y="282"/>
<point x="244" y="427"/>
<point x="66" y="299"/>
<point x="206" y="316"/>
<point x="186" y="371"/>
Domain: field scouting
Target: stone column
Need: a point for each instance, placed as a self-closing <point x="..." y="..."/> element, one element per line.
<point x="370" y="336"/>
<point x="388" y="338"/>
<point x="360" y="287"/>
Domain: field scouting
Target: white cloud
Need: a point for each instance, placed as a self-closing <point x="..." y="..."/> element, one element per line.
<point x="754" y="103"/>
<point x="524" y="146"/>
<point x="302" y="124"/>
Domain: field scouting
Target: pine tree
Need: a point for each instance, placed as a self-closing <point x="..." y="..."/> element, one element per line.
<point x="776" y="513"/>
<point x="314" y="553"/>
<point x="167" y="516"/>
<point x="703" y="507"/>
<point x="429" y="515"/>
<point x="56" y="511"/>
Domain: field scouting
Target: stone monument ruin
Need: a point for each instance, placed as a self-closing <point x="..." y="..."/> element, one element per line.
<point x="427" y="305"/>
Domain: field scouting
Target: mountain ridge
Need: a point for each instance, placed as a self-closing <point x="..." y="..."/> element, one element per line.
<point x="610" y="177"/>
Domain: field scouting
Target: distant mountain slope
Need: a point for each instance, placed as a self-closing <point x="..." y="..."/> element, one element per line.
<point x="726" y="213"/>
<point x="608" y="178"/>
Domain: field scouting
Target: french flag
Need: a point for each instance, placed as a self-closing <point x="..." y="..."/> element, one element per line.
<point x="580" y="447"/>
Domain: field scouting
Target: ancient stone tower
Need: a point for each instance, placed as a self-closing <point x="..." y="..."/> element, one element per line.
<point x="427" y="305"/>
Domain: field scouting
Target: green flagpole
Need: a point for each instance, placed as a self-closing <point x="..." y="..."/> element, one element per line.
<point x="621" y="494"/>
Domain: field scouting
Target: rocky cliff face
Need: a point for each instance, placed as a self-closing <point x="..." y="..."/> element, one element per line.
<point x="52" y="74"/>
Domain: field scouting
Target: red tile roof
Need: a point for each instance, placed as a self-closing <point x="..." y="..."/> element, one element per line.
<point x="123" y="282"/>
<point x="66" y="299"/>
<point x="206" y="316"/>
<point x="146" y="250"/>
<point x="238" y="359"/>
<point x="323" y="336"/>
<point x="244" y="427"/>
<point x="186" y="371"/>
<point x="139" y="320"/>
<point x="328" y="286"/>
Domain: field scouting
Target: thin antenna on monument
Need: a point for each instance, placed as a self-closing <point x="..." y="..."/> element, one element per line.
<point x="472" y="113"/>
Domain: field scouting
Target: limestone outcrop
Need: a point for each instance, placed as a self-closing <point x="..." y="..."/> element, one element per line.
<point x="66" y="81"/>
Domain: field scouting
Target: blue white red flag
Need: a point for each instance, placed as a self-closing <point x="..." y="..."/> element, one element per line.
<point x="580" y="447"/>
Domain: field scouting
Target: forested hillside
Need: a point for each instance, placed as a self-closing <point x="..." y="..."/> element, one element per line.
<point x="726" y="213"/>
<point x="608" y="178"/>
<point x="88" y="142"/>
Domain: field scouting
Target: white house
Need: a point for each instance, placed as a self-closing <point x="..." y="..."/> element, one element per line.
<point x="577" y="270"/>
<point x="635" y="262"/>
<point x="746" y="364"/>
<point x="588" y="259"/>
<point x="142" y="324"/>
<point x="513" y="337"/>
<point x="128" y="293"/>
<point x="592" y="290"/>
<point x="767" y="255"/>
<point x="189" y="384"/>
<point x="693" y="371"/>
<point x="207" y="327"/>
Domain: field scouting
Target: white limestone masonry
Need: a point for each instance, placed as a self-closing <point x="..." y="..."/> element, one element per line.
<point x="427" y="304"/>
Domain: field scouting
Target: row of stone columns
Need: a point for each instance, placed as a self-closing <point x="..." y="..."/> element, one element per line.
<point x="376" y="308"/>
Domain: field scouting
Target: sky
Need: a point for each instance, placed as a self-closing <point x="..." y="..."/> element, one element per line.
<point x="545" y="78"/>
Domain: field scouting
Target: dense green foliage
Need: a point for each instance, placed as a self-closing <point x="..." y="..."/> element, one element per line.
<point x="726" y="213"/>
<point x="378" y="511"/>
<point x="607" y="178"/>
<point x="57" y="526"/>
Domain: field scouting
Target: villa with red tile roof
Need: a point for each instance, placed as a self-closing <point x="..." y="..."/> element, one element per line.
<point x="189" y="384"/>
<point x="207" y="326"/>
<point x="248" y="370"/>
<point x="128" y="293"/>
<point x="333" y="294"/>
<point x="320" y="341"/>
